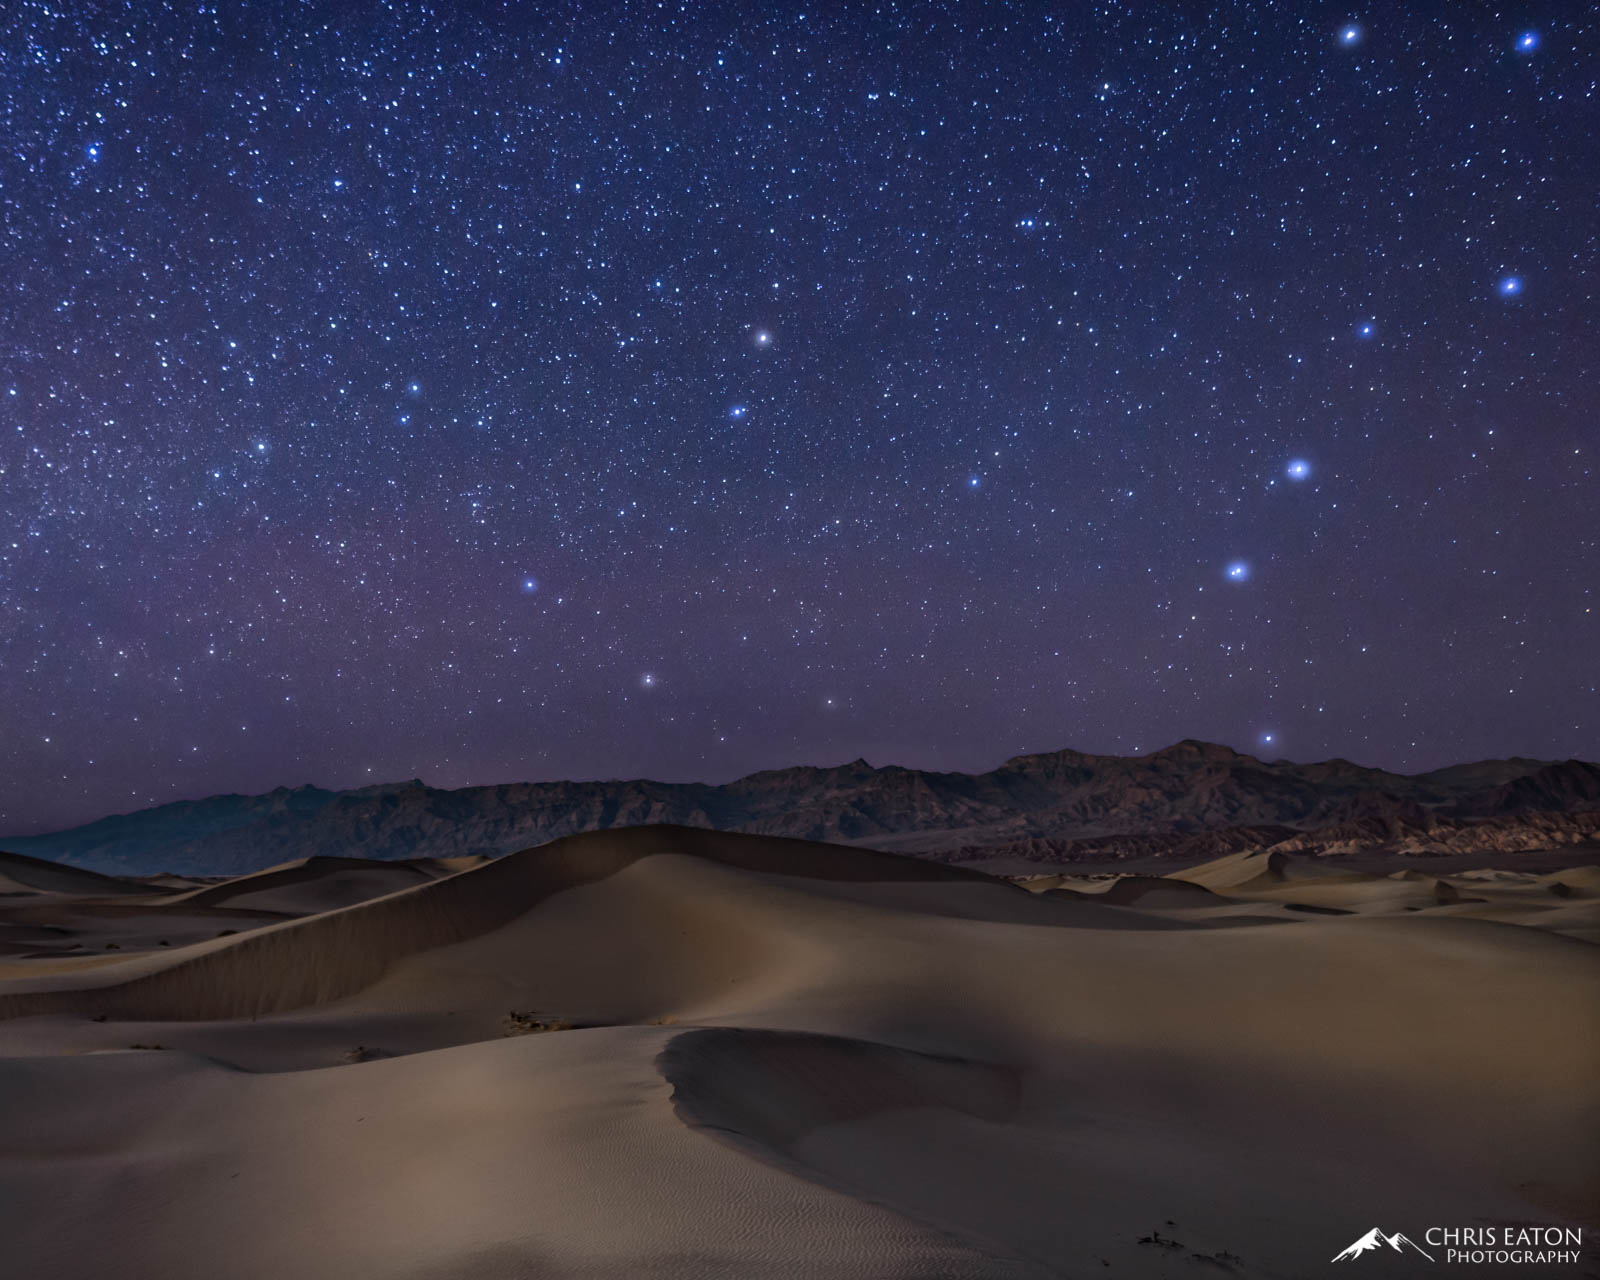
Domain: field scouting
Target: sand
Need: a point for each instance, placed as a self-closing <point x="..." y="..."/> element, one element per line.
<point x="788" y="1059"/>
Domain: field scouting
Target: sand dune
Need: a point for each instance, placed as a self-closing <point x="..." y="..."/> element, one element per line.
<point x="20" y="874"/>
<point x="67" y="915"/>
<point x="1554" y="902"/>
<point x="308" y="886"/>
<point x="788" y="1059"/>
<point x="1152" y="891"/>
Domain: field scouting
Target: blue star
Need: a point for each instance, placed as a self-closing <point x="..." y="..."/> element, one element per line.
<point x="1366" y="329"/>
<point x="1527" y="42"/>
<point x="530" y="585"/>
<point x="1350" y="34"/>
<point x="1298" y="469"/>
<point x="1509" y="286"/>
<point x="93" y="150"/>
<point x="974" y="481"/>
<point x="738" y="411"/>
<point x="1239" y="571"/>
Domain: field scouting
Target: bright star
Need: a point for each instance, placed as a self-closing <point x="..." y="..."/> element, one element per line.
<point x="530" y="585"/>
<point x="738" y="411"/>
<point x="1350" y="34"/>
<point x="1366" y="329"/>
<point x="1510" y="286"/>
<point x="974" y="481"/>
<point x="1238" y="571"/>
<point x="762" y="338"/>
<point x="1298" y="469"/>
<point x="648" y="680"/>
<point x="1527" y="42"/>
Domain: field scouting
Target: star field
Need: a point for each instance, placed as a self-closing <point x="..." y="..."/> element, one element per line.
<point x="512" y="392"/>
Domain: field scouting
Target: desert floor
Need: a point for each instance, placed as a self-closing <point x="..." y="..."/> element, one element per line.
<point x="664" y="1052"/>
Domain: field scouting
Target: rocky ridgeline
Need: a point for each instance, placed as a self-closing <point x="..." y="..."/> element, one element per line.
<point x="1191" y="800"/>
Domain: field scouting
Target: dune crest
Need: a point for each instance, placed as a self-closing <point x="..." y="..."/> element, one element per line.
<point x="336" y="953"/>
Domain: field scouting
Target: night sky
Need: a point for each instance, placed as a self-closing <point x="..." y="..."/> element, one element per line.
<point x="484" y="393"/>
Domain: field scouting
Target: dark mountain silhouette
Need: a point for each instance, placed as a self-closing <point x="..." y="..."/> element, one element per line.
<point x="1435" y="836"/>
<point x="1570" y="785"/>
<point x="1192" y="799"/>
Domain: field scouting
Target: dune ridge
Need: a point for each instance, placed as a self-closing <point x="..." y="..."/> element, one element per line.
<point x="22" y="874"/>
<point x="337" y="953"/>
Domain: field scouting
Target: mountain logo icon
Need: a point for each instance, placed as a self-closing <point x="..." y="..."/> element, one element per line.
<point x="1375" y="1239"/>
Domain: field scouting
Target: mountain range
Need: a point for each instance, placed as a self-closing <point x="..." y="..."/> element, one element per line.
<point x="1193" y="799"/>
